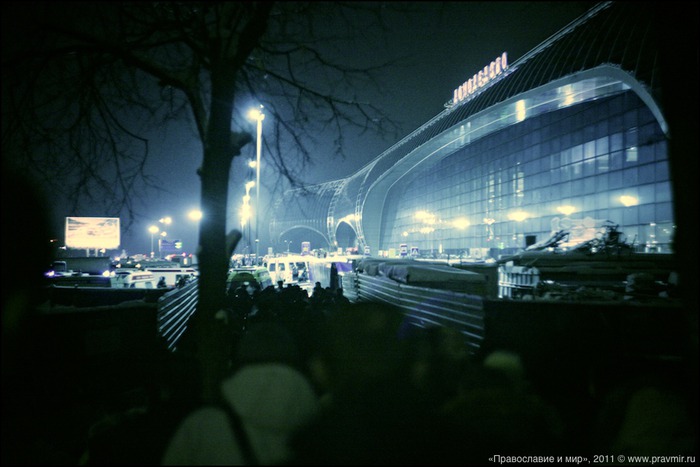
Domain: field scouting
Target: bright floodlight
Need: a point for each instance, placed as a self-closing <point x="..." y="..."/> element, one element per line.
<point x="256" y="114"/>
<point x="195" y="214"/>
<point x="154" y="229"/>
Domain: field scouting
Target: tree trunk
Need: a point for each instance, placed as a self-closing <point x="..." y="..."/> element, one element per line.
<point x="212" y="345"/>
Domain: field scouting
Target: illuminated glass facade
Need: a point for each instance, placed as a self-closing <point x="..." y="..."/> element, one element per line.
<point x="577" y="166"/>
<point x="567" y="137"/>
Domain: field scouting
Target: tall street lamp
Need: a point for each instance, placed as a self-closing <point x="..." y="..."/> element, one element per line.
<point x="245" y="210"/>
<point x="258" y="116"/>
<point x="160" y="243"/>
<point x="153" y="230"/>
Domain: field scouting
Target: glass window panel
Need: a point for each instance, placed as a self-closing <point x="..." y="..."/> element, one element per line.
<point x="555" y="175"/>
<point x="602" y="184"/>
<point x="616" y="142"/>
<point x="661" y="171"/>
<point x="630" y="216"/>
<point x="662" y="192"/>
<point x="577" y="187"/>
<point x="602" y="146"/>
<point x="564" y="190"/>
<point x="646" y="174"/>
<point x="629" y="176"/>
<point x="646" y="213"/>
<point x="646" y="194"/>
<point x="576" y="170"/>
<point x="566" y="173"/>
<point x="577" y="153"/>
<point x="631" y="119"/>
<point x="664" y="212"/>
<point x="601" y="129"/>
<point x="647" y="133"/>
<point x="661" y="150"/>
<point x="615" y="180"/>
<point x="615" y="215"/>
<point x="646" y="154"/>
<point x="616" y="159"/>
<point x="566" y="157"/>
<point x="616" y="123"/>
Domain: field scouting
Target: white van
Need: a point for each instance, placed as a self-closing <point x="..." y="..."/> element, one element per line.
<point x="173" y="275"/>
<point x="133" y="279"/>
<point x="287" y="269"/>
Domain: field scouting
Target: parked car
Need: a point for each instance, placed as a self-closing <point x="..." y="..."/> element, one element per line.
<point x="260" y="276"/>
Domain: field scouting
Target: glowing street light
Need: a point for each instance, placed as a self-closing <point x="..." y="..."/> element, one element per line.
<point x="258" y="116"/>
<point x="195" y="215"/>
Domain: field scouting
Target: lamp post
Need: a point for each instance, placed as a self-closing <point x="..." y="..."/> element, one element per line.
<point x="245" y="210"/>
<point x="153" y="230"/>
<point x="160" y="243"/>
<point x="258" y="116"/>
<point x="165" y="221"/>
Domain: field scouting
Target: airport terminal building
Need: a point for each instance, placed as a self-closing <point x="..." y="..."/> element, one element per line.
<point x="569" y="136"/>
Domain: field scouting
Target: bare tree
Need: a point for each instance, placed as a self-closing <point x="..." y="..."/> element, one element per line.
<point x="85" y="84"/>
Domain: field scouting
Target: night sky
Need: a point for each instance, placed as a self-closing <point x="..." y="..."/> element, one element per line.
<point x="436" y="48"/>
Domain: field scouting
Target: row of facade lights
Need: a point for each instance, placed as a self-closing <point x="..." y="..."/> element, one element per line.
<point x="429" y="219"/>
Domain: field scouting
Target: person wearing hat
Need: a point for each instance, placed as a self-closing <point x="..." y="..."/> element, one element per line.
<point x="264" y="401"/>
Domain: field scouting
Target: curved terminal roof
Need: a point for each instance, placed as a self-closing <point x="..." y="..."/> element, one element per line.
<point x="610" y="49"/>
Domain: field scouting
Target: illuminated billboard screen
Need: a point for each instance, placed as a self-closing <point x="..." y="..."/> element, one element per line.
<point x="92" y="232"/>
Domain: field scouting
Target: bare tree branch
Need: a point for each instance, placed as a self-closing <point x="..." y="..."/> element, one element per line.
<point x="84" y="97"/>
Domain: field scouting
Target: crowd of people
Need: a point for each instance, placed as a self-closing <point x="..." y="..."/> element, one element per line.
<point x="317" y="380"/>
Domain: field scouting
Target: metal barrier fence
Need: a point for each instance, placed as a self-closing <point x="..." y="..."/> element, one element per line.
<point x="174" y="311"/>
<point x="426" y="307"/>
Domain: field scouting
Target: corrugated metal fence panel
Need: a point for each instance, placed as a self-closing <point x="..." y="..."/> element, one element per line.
<point x="349" y="284"/>
<point x="378" y="288"/>
<point x="174" y="311"/>
<point x="428" y="307"/>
